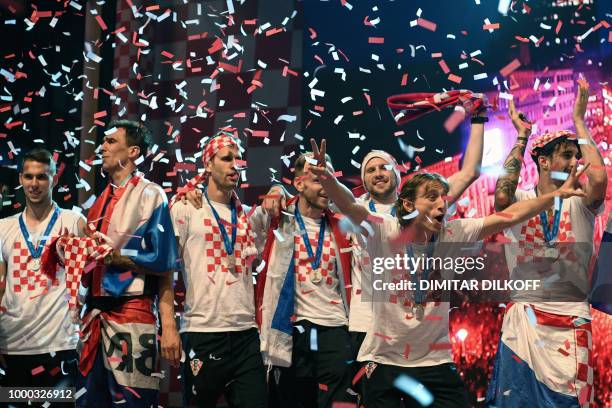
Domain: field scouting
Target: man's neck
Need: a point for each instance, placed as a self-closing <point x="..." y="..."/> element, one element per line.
<point x="308" y="210"/>
<point x="389" y="199"/>
<point x="35" y="213"/>
<point x="119" y="176"/>
<point x="417" y="234"/>
<point x="217" y="194"/>
<point x="545" y="185"/>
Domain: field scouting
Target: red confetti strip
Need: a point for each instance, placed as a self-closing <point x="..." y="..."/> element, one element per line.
<point x="313" y="33"/>
<point x="383" y="336"/>
<point x="376" y="40"/>
<point x="132" y="391"/>
<point x="565" y="353"/>
<point x="454" y="78"/>
<point x="38" y="370"/>
<point x="510" y="68"/>
<point x="359" y="374"/>
<point x="426" y="24"/>
<point x="101" y="23"/>
<point x="406" y="351"/>
<point x="323" y="387"/>
<point x="493" y="26"/>
<point x="444" y="67"/>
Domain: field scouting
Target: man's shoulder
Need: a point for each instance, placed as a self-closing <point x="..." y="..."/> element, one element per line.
<point x="71" y="215"/>
<point x="11" y="219"/>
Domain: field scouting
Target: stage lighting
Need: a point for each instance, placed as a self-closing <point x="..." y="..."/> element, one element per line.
<point x="461" y="334"/>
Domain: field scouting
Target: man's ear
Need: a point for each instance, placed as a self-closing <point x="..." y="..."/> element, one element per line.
<point x="134" y="152"/>
<point x="543" y="163"/>
<point x="408" y="205"/>
<point x="298" y="182"/>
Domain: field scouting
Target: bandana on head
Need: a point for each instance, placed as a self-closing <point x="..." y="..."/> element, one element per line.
<point x="542" y="141"/>
<point x="407" y="107"/>
<point x="217" y="143"/>
<point x="390" y="160"/>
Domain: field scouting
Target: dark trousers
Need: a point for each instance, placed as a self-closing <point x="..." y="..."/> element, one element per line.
<point x="442" y="381"/>
<point x="18" y="373"/>
<point x="227" y="363"/>
<point x="321" y="370"/>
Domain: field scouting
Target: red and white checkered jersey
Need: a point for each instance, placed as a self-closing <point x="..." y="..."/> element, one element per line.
<point x="321" y="302"/>
<point x="570" y="272"/>
<point x="217" y="298"/>
<point x="396" y="336"/>
<point x="35" y="317"/>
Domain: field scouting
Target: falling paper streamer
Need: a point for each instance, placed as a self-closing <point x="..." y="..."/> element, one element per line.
<point x="414" y="388"/>
<point x="531" y="315"/>
<point x="314" y="344"/>
<point x="559" y="175"/>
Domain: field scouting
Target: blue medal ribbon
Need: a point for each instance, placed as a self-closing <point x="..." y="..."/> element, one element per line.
<point x="37" y="252"/>
<point x="549" y="236"/>
<point x="229" y="246"/>
<point x="419" y="296"/>
<point x="373" y="208"/>
<point x="317" y="258"/>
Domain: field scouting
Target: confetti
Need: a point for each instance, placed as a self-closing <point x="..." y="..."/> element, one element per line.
<point x="314" y="344"/>
<point x="414" y="388"/>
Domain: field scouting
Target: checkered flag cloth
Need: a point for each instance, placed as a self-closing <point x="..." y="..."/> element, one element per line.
<point x="81" y="256"/>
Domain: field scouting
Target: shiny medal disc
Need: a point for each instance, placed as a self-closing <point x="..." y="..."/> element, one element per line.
<point x="315" y="276"/>
<point x="231" y="261"/>
<point x="34" y="264"/>
<point x="551" y="252"/>
<point x="419" y="311"/>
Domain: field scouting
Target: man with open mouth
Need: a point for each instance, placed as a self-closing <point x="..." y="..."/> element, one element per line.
<point x="408" y="338"/>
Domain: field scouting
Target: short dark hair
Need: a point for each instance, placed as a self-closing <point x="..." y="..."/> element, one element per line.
<point x="409" y="191"/>
<point x="136" y="134"/>
<point x="549" y="149"/>
<point x="40" y="155"/>
<point x="298" y="167"/>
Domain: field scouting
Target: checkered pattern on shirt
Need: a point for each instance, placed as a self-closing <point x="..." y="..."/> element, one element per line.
<point x="303" y="261"/>
<point x="24" y="278"/>
<point x="215" y="248"/>
<point x="532" y="244"/>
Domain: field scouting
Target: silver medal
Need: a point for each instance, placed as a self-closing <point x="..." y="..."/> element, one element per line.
<point x="551" y="252"/>
<point x="419" y="311"/>
<point x="231" y="261"/>
<point x="315" y="276"/>
<point x="34" y="264"/>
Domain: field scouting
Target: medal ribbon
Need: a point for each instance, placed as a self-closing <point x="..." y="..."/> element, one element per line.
<point x="36" y="252"/>
<point x="317" y="259"/>
<point x="549" y="236"/>
<point x="419" y="296"/>
<point x="229" y="246"/>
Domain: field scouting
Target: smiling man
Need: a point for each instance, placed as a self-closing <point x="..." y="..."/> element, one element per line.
<point x="37" y="336"/>
<point x="306" y="298"/>
<point x="118" y="350"/>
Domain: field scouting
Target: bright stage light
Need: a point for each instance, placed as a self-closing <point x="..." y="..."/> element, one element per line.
<point x="461" y="334"/>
